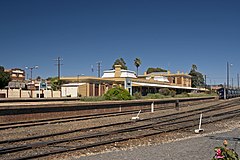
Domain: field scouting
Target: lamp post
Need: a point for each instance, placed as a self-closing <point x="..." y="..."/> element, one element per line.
<point x="31" y="68"/>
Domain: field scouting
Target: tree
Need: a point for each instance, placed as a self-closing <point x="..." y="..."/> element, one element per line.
<point x="121" y="62"/>
<point x="4" y="78"/>
<point x="150" y="70"/>
<point x="1" y="69"/>
<point x="137" y="63"/>
<point x="55" y="83"/>
<point x="38" y="78"/>
<point x="117" y="94"/>
<point x="197" y="77"/>
<point x="194" y="67"/>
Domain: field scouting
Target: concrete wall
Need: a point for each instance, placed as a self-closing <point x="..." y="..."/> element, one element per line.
<point x="69" y="91"/>
<point x="17" y="93"/>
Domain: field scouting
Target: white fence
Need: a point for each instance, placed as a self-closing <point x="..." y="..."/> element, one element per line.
<point x="18" y="93"/>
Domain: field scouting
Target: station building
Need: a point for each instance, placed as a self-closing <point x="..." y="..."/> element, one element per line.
<point x="85" y="86"/>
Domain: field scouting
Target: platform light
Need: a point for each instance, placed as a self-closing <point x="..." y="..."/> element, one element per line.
<point x="31" y="68"/>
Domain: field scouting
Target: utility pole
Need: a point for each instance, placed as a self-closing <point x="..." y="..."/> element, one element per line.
<point x="227" y="75"/>
<point x="59" y="66"/>
<point x="99" y="68"/>
<point x="238" y="80"/>
<point x="92" y="68"/>
<point x="59" y="70"/>
<point x="205" y="82"/>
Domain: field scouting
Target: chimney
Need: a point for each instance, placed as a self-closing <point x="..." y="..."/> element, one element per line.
<point x="117" y="70"/>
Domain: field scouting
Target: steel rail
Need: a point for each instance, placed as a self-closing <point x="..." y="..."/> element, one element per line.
<point x="179" y="127"/>
<point x="72" y="118"/>
<point x="115" y="124"/>
<point x="99" y="115"/>
<point x="146" y="126"/>
<point x="169" y="117"/>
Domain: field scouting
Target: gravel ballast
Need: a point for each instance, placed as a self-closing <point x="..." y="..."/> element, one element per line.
<point x="181" y="144"/>
<point x="199" y="147"/>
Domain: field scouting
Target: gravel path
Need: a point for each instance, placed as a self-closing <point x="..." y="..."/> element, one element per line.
<point x="199" y="147"/>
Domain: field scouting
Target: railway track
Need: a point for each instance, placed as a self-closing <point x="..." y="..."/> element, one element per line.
<point x="117" y="132"/>
<point x="77" y="118"/>
<point x="69" y="119"/>
<point x="157" y="118"/>
<point x="119" y="110"/>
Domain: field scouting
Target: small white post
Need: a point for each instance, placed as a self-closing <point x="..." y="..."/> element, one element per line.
<point x="199" y="126"/>
<point x="152" y="107"/>
<point x="138" y="113"/>
<point x="224" y="93"/>
<point x="137" y="117"/>
<point x="46" y="88"/>
<point x="120" y="108"/>
<point x="200" y="122"/>
<point x="39" y="90"/>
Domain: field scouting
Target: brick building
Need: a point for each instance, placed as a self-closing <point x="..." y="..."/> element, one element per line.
<point x="144" y="84"/>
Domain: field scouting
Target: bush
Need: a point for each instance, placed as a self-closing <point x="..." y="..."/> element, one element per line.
<point x="117" y="94"/>
<point x="164" y="91"/>
<point x="182" y="95"/>
<point x="154" y="96"/>
<point x="173" y="93"/>
<point x="137" y="95"/>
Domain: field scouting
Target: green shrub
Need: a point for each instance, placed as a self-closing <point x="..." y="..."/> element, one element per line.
<point x="182" y="95"/>
<point x="154" y="96"/>
<point x="117" y="94"/>
<point x="200" y="94"/>
<point x="173" y="93"/>
<point x="164" y="91"/>
<point x="137" y="95"/>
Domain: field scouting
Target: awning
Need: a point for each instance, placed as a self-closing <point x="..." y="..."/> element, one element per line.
<point x="161" y="85"/>
<point x="73" y="84"/>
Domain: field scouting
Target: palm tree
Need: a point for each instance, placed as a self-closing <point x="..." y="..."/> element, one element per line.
<point x="137" y="63"/>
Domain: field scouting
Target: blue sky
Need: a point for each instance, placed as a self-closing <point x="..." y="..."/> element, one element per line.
<point x="171" y="34"/>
